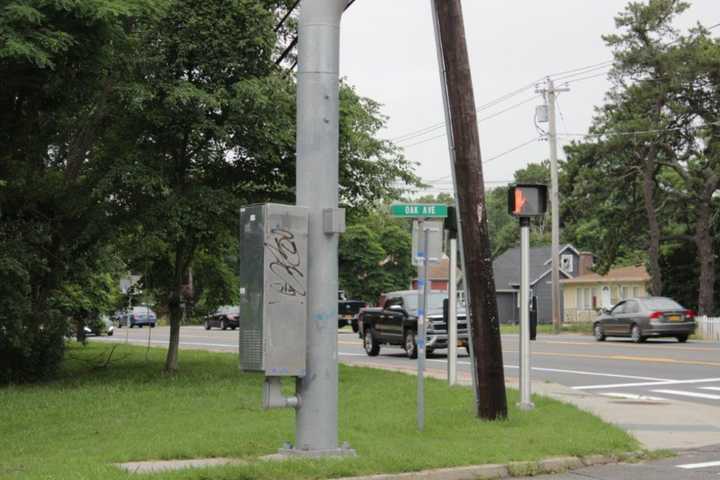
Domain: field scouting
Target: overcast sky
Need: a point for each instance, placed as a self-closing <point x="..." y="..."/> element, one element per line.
<point x="388" y="53"/>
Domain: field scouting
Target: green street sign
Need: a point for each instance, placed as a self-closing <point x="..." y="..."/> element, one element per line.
<point x="419" y="210"/>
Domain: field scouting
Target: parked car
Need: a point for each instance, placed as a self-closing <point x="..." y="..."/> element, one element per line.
<point x="348" y="312"/>
<point x="100" y="326"/>
<point x="640" y="318"/>
<point x="224" y="317"/>
<point x="137" y="317"/>
<point x="395" y="323"/>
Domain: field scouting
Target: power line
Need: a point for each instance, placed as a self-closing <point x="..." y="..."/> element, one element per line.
<point x="480" y="120"/>
<point x="506" y="152"/>
<point x="639" y="132"/>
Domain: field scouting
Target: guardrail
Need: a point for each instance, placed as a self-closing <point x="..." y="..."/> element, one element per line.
<point x="708" y="328"/>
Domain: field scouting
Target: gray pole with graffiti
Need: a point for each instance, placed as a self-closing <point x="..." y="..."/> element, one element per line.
<point x="317" y="189"/>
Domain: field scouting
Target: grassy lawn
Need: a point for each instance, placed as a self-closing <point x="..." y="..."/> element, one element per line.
<point x="585" y="328"/>
<point x="75" y="427"/>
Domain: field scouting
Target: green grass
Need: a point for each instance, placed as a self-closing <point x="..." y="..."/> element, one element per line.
<point x="75" y="427"/>
<point x="545" y="329"/>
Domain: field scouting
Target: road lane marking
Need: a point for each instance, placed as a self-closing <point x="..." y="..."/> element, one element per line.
<point x="682" y="393"/>
<point x="632" y="396"/>
<point x="690" y="466"/>
<point x="717" y="389"/>
<point x="551" y="370"/>
<point x="615" y="344"/>
<point x="624" y="358"/>
<point x="646" y="384"/>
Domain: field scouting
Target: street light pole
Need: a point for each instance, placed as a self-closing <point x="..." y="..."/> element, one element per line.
<point x="317" y="189"/>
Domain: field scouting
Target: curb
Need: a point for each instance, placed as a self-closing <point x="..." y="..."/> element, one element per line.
<point x="512" y="469"/>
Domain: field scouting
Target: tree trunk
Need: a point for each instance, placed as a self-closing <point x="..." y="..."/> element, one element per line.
<point x="175" y="307"/>
<point x="171" y="361"/>
<point x="648" y="182"/>
<point x="706" y="254"/>
<point x="488" y="366"/>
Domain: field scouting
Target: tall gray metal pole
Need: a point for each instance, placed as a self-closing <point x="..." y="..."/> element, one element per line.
<point x="452" y="314"/>
<point x="555" y="206"/>
<point x="525" y="402"/>
<point x="451" y="148"/>
<point x="317" y="189"/>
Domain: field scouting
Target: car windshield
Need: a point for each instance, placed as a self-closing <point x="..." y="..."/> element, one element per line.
<point x="662" y="304"/>
<point x="435" y="301"/>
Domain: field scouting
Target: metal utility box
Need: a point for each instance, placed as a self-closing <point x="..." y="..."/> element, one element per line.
<point x="273" y="289"/>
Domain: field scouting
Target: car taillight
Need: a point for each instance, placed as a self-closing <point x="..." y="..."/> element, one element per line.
<point x="690" y="314"/>
<point x="654" y="315"/>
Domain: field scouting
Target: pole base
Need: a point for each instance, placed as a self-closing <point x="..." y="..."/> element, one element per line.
<point x="526" y="406"/>
<point x="288" y="452"/>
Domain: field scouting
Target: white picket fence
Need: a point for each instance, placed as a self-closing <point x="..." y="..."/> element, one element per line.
<point x="708" y="328"/>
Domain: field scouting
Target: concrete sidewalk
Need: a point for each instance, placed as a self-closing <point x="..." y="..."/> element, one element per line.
<point x="656" y="424"/>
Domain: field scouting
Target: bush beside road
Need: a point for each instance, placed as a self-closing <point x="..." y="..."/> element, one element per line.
<point x="97" y="415"/>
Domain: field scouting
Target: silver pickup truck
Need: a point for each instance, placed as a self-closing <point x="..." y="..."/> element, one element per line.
<point x="395" y="323"/>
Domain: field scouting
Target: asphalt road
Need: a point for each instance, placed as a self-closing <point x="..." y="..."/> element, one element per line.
<point x="697" y="464"/>
<point x="656" y="371"/>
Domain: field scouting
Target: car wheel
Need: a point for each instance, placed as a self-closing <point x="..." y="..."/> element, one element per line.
<point x="636" y="334"/>
<point x="207" y="325"/>
<point x="152" y="325"/>
<point x="234" y="327"/>
<point x="370" y="345"/>
<point x="222" y="325"/>
<point x="682" y="338"/>
<point x="110" y="333"/>
<point x="355" y="327"/>
<point x="132" y="325"/>
<point x="429" y="352"/>
<point x="598" y="332"/>
<point x="410" y="345"/>
<point x="140" y="325"/>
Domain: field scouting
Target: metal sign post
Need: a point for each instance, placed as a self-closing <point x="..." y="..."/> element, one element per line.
<point x="526" y="201"/>
<point x="452" y="315"/>
<point x="422" y="257"/>
<point x="426" y="248"/>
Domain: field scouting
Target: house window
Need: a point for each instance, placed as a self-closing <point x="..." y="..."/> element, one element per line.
<point x="566" y="262"/>
<point x="579" y="299"/>
<point x="588" y="300"/>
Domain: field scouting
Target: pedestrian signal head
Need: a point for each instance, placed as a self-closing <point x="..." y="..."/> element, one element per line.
<point x="527" y="200"/>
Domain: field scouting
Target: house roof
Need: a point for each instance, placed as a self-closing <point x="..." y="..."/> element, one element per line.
<point x="506" y="267"/>
<point x="615" y="275"/>
<point x="562" y="250"/>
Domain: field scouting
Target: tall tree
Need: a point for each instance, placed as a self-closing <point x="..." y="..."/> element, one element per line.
<point x="58" y="71"/>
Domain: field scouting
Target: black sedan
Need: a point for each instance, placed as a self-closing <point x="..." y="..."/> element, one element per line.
<point x="224" y="317"/>
<point x="640" y="318"/>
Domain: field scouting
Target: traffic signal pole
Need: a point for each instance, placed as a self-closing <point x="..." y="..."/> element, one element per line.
<point x="317" y="158"/>
<point x="525" y="402"/>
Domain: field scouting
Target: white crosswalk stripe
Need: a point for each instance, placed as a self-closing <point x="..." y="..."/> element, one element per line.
<point x="715" y="389"/>
<point x="682" y="393"/>
<point x="692" y="466"/>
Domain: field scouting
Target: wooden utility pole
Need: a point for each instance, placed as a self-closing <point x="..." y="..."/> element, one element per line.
<point x="469" y="188"/>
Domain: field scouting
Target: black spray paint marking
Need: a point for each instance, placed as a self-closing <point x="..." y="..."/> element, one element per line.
<point x="286" y="265"/>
